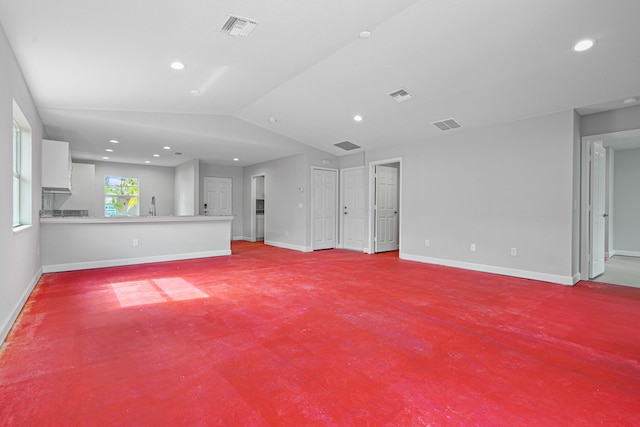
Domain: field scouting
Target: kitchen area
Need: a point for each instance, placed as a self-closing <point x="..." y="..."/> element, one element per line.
<point x="78" y="230"/>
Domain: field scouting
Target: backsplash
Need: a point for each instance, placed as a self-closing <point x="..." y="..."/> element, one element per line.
<point x="61" y="213"/>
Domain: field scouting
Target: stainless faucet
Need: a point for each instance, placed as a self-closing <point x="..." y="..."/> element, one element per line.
<point x="152" y="209"/>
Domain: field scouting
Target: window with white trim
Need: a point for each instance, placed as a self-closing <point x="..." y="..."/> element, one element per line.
<point x="16" y="174"/>
<point x="121" y="196"/>
<point x="21" y="188"/>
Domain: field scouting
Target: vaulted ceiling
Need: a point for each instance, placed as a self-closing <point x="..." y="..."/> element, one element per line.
<point x="100" y="70"/>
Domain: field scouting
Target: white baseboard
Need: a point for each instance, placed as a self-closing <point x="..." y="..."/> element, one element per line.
<point x="131" y="261"/>
<point x="8" y="324"/>
<point x="626" y="253"/>
<point x="525" y="274"/>
<point x="241" y="238"/>
<point x="576" y="278"/>
<point x="288" y="246"/>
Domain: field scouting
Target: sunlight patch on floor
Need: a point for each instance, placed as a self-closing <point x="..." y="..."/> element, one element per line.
<point x="156" y="291"/>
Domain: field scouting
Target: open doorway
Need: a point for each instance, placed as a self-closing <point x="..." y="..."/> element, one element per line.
<point x="258" y="198"/>
<point x="385" y="201"/>
<point x="610" y="214"/>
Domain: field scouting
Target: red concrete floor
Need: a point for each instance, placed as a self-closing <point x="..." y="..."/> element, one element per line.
<point x="270" y="337"/>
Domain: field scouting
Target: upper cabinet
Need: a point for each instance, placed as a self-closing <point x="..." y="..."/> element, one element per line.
<point x="56" y="166"/>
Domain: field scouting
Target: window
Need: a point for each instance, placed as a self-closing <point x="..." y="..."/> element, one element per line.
<point x="121" y="196"/>
<point x="16" y="174"/>
<point x="22" y="189"/>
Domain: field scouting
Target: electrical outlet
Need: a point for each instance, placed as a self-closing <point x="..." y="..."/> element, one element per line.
<point x="427" y="242"/>
<point x="135" y="242"/>
<point x="472" y="247"/>
<point x="514" y="251"/>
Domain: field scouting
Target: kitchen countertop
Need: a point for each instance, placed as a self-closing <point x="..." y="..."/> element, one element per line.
<point x="138" y="219"/>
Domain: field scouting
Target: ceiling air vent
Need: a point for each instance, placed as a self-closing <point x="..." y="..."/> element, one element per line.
<point x="238" y="26"/>
<point x="401" y="95"/>
<point x="447" y="124"/>
<point x="346" y="145"/>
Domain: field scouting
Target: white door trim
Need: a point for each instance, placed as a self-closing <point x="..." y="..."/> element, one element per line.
<point x="337" y="186"/>
<point x="253" y="205"/>
<point x="342" y="202"/>
<point x="372" y="190"/>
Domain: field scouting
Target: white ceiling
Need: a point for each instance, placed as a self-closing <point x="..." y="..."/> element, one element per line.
<point x="99" y="70"/>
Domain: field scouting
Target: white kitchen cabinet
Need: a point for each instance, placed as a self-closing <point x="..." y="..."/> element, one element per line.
<point x="56" y="166"/>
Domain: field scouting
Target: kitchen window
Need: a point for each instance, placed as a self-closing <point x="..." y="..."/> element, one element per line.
<point x="21" y="192"/>
<point x="121" y="196"/>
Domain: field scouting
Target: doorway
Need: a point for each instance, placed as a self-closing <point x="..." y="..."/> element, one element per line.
<point x="324" y="232"/>
<point x="610" y="165"/>
<point x="258" y="211"/>
<point x="385" y="201"/>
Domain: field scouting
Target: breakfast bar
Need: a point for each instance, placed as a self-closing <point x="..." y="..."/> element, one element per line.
<point x="79" y="243"/>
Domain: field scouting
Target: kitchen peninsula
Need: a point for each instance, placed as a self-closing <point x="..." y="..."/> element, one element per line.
<point x="79" y="243"/>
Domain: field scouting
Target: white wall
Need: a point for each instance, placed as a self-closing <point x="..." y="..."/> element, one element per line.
<point x="611" y="121"/>
<point x="153" y="180"/>
<point x="20" y="265"/>
<point x="186" y="189"/>
<point x="351" y="160"/>
<point x="285" y="207"/>
<point x="236" y="174"/>
<point x="626" y="202"/>
<point x="510" y="186"/>
<point x="83" y="193"/>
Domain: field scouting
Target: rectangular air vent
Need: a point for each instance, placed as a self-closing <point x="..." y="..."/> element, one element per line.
<point x="447" y="124"/>
<point x="238" y="26"/>
<point x="346" y="145"/>
<point x="401" y="95"/>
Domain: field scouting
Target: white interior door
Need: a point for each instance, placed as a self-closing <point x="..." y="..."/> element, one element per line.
<point x="325" y="212"/>
<point x="353" y="209"/>
<point x="597" y="219"/>
<point x="386" y="209"/>
<point x="217" y="195"/>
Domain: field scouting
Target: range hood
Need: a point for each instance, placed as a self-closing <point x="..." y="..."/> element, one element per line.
<point x="55" y="190"/>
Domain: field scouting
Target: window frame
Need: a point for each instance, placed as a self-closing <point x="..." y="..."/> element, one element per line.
<point x="22" y="171"/>
<point x="132" y="200"/>
<point x="16" y="174"/>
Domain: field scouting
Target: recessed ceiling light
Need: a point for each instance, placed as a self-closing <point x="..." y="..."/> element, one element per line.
<point x="357" y="118"/>
<point x="166" y="147"/>
<point x="583" y="45"/>
<point x="235" y="159"/>
<point x="105" y="158"/>
<point x="365" y="34"/>
<point x="177" y="65"/>
<point x="147" y="161"/>
<point x="109" y="150"/>
<point x="630" y="100"/>
<point x="273" y="120"/>
<point x="156" y="155"/>
<point x="114" y="141"/>
<point x="195" y="92"/>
